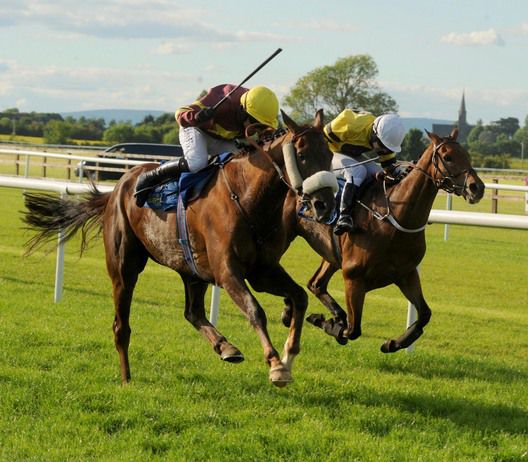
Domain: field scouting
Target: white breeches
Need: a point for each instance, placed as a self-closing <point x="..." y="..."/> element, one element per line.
<point x="198" y="147"/>
<point x="350" y="171"/>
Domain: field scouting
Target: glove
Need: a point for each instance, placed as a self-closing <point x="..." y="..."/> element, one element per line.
<point x="395" y="171"/>
<point x="205" y="114"/>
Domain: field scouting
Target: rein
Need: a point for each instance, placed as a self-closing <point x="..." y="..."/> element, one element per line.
<point x="389" y="216"/>
<point x="446" y="182"/>
<point x="269" y="138"/>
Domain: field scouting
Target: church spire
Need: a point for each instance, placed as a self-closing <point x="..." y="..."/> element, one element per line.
<point x="462" y="112"/>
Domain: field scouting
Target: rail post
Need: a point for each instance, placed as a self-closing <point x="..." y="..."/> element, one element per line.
<point x="495" y="198"/>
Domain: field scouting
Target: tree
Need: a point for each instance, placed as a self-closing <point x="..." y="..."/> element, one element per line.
<point x="349" y="83"/>
<point x="508" y="126"/>
<point x="119" y="133"/>
<point x="57" y="132"/>
<point x="413" y="145"/>
<point x="172" y="136"/>
<point x="147" y="134"/>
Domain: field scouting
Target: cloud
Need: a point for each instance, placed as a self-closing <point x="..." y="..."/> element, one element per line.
<point x="126" y="19"/>
<point x="520" y="30"/>
<point x="477" y="38"/>
<point x="171" y="48"/>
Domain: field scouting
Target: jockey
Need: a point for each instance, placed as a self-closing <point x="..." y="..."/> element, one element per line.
<point x="206" y="132"/>
<point x="349" y="136"/>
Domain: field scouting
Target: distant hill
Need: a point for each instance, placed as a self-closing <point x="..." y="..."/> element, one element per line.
<point x="422" y="123"/>
<point x="119" y="115"/>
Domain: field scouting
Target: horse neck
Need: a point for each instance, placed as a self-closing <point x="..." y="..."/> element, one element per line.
<point x="412" y="199"/>
<point x="258" y="184"/>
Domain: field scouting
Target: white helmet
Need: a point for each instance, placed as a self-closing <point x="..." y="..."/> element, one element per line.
<point x="390" y="131"/>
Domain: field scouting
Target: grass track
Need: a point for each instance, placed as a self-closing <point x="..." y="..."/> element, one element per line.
<point x="460" y="397"/>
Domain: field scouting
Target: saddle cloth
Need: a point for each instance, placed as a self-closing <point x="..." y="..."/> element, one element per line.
<point x="189" y="186"/>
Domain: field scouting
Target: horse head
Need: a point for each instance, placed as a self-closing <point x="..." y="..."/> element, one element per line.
<point x="451" y="170"/>
<point x="308" y="159"/>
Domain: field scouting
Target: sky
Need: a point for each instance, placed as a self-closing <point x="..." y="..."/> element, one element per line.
<point x="63" y="55"/>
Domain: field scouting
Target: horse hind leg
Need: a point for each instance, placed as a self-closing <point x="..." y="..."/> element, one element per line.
<point x="412" y="289"/>
<point x="195" y="314"/>
<point x="125" y="259"/>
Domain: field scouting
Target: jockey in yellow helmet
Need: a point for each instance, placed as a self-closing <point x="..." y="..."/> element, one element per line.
<point x="350" y="135"/>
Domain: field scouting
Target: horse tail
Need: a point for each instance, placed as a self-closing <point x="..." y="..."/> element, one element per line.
<point x="49" y="214"/>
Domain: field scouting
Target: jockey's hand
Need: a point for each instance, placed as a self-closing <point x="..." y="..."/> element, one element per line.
<point x="395" y="171"/>
<point x="205" y="114"/>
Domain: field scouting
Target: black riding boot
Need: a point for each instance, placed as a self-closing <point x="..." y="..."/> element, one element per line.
<point x="149" y="180"/>
<point x="345" y="222"/>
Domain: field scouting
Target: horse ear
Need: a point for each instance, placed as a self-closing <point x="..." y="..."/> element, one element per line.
<point x="289" y="122"/>
<point x="319" y="118"/>
<point x="454" y="134"/>
<point x="433" y="137"/>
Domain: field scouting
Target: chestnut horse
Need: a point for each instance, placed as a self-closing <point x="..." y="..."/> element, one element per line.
<point x="235" y="233"/>
<point x="392" y="243"/>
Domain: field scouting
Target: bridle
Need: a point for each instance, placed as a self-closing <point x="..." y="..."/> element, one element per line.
<point x="300" y="186"/>
<point x="443" y="178"/>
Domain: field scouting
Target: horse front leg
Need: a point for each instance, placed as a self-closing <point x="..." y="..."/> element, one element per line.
<point x="234" y="285"/>
<point x="318" y="285"/>
<point x="195" y="314"/>
<point x="355" y="299"/>
<point x="412" y="289"/>
<point x="276" y="281"/>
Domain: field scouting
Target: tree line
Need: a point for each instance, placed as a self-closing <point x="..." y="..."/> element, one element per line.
<point x="349" y="83"/>
<point x="55" y="129"/>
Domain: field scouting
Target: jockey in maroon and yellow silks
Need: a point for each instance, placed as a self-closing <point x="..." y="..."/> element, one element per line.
<point x="209" y="127"/>
<point x="227" y="122"/>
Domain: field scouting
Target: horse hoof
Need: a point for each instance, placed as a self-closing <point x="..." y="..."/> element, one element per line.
<point x="280" y="376"/>
<point x="232" y="355"/>
<point x="390" y="346"/>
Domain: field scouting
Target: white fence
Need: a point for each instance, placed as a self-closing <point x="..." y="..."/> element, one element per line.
<point x="436" y="216"/>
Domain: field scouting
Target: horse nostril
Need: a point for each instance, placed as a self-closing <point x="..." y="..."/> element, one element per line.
<point x="474" y="188"/>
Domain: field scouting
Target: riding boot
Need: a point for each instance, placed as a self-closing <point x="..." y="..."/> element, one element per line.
<point x="345" y="222"/>
<point x="149" y="180"/>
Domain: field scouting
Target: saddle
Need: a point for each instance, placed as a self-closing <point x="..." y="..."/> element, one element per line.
<point x="188" y="186"/>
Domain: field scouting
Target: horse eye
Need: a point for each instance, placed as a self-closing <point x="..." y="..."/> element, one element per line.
<point x="448" y="158"/>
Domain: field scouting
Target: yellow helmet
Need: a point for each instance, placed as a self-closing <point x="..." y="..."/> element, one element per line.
<point x="261" y="104"/>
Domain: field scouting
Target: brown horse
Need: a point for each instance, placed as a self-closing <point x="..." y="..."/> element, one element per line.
<point x="392" y="243"/>
<point x="235" y="233"/>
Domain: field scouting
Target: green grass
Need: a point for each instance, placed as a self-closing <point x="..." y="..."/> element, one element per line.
<point x="461" y="396"/>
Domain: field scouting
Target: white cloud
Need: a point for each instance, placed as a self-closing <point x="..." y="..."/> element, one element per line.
<point x="521" y="29"/>
<point x="69" y="87"/>
<point x="482" y="38"/>
<point x="129" y="19"/>
<point x="172" y="48"/>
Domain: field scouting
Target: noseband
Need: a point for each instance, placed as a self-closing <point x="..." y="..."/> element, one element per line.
<point x="301" y="186"/>
<point x="447" y="178"/>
